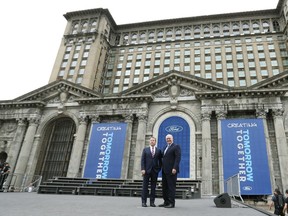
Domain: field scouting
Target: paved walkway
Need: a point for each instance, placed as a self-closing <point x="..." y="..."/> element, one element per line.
<point x="33" y="204"/>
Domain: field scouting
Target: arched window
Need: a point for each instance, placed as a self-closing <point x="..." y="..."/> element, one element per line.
<point x="84" y="27"/>
<point x="142" y="37"/>
<point x="226" y="29"/>
<point x="216" y="30"/>
<point x="93" y="26"/>
<point x="197" y="32"/>
<point x="266" y="26"/>
<point x="276" y="26"/>
<point x="56" y="148"/>
<point x="151" y="36"/>
<point x="187" y="33"/>
<point x="178" y="34"/>
<point x="256" y="27"/>
<point x="75" y="28"/>
<point x="160" y="36"/>
<point x="245" y="28"/>
<point x="125" y="39"/>
<point x="134" y="38"/>
<point x="169" y="35"/>
<point x="206" y="31"/>
<point x="236" y="30"/>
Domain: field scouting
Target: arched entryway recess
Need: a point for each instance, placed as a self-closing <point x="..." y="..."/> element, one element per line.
<point x="188" y="148"/>
<point x="56" y="148"/>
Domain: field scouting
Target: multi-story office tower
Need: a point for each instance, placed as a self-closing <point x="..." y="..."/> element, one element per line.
<point x="217" y="83"/>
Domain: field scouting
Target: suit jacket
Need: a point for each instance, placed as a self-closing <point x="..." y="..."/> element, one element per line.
<point x="171" y="159"/>
<point x="149" y="163"/>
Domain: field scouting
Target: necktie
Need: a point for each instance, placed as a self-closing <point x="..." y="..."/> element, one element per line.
<point x="166" y="149"/>
<point x="153" y="151"/>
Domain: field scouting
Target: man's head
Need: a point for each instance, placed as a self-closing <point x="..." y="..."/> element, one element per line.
<point x="152" y="141"/>
<point x="277" y="191"/>
<point x="169" y="139"/>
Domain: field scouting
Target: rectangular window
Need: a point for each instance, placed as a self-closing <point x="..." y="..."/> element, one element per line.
<point x="126" y="81"/>
<point x="197" y="59"/>
<point x="242" y="82"/>
<point x="231" y="83"/>
<point x="186" y="68"/>
<point x="136" y="80"/>
<point x="230" y="74"/>
<point x="157" y="55"/>
<point x="129" y="57"/>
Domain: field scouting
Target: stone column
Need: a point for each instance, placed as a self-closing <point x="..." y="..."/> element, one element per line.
<point x="24" y="155"/>
<point x="15" y="148"/>
<point x="32" y="163"/>
<point x="281" y="145"/>
<point x="206" y="154"/>
<point x="140" y="144"/>
<point x="220" y="115"/>
<point x="77" y="149"/>
<point x="127" y="149"/>
<point x="261" y="114"/>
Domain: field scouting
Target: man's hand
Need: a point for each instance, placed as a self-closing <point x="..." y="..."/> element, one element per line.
<point x="174" y="171"/>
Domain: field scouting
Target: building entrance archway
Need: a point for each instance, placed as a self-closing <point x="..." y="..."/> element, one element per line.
<point x="56" y="149"/>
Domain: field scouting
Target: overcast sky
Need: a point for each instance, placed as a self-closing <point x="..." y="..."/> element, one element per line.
<point x="31" y="31"/>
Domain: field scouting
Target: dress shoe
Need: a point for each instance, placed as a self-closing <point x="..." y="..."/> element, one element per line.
<point x="152" y="205"/>
<point x="163" y="205"/>
<point x="169" y="206"/>
<point x="144" y="205"/>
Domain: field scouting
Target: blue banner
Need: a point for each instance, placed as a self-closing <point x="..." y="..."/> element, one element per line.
<point x="179" y="128"/>
<point x="244" y="152"/>
<point x="105" y="153"/>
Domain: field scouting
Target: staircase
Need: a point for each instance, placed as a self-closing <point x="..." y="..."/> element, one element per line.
<point x="185" y="189"/>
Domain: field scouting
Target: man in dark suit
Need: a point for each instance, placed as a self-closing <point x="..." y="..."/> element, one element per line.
<point x="151" y="162"/>
<point x="170" y="169"/>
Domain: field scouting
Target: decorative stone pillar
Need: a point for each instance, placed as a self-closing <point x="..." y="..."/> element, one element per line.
<point x="77" y="149"/>
<point x="15" y="147"/>
<point x="281" y="145"/>
<point x="206" y="154"/>
<point x="24" y="155"/>
<point x="127" y="149"/>
<point x="262" y="114"/>
<point x="220" y="115"/>
<point x="32" y="163"/>
<point x="140" y="144"/>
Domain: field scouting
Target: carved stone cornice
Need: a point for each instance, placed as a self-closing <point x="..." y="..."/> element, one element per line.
<point x="241" y="93"/>
<point x="115" y="99"/>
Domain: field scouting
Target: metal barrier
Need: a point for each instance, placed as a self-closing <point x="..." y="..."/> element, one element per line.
<point x="233" y="186"/>
<point x="29" y="183"/>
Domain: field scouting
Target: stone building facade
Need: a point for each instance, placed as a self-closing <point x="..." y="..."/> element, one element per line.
<point x="202" y="69"/>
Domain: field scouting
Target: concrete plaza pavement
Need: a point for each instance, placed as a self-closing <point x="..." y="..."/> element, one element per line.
<point x="33" y="204"/>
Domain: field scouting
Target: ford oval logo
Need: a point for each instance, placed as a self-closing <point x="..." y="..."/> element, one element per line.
<point x="247" y="188"/>
<point x="174" y="128"/>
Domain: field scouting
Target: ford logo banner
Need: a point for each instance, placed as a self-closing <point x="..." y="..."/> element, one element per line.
<point x="247" y="188"/>
<point x="173" y="128"/>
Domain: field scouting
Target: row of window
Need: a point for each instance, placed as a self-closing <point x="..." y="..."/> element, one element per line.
<point x="132" y="69"/>
<point x="198" y="31"/>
